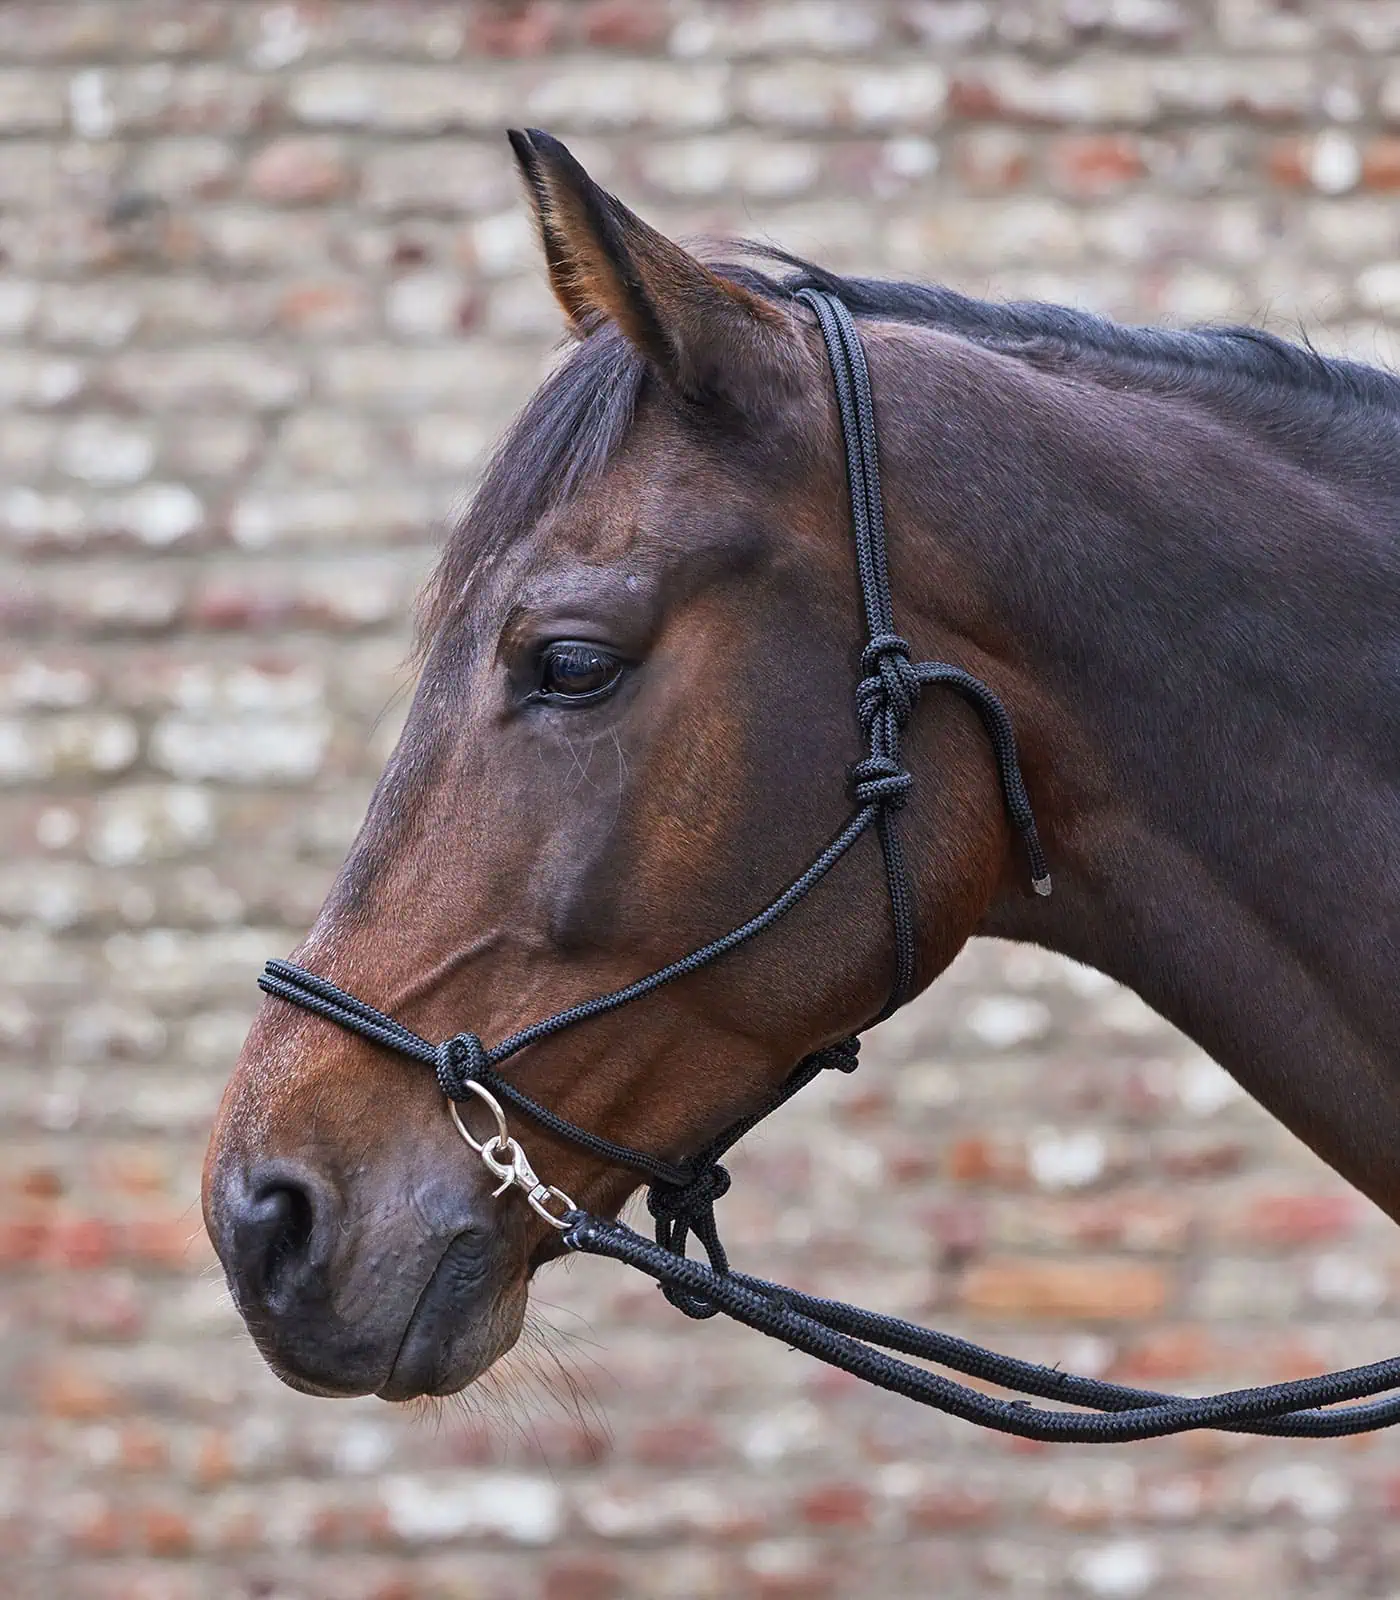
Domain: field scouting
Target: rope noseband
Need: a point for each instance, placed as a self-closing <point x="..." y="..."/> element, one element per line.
<point x="681" y="1196"/>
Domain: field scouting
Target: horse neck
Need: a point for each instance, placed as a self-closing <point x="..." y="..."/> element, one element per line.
<point x="1195" y="636"/>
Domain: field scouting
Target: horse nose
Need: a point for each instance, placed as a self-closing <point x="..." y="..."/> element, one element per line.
<point x="278" y="1225"/>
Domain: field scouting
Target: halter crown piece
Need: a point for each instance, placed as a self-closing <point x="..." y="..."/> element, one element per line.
<point x="681" y="1196"/>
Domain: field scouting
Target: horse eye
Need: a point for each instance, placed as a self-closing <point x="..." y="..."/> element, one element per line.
<point x="573" y="671"/>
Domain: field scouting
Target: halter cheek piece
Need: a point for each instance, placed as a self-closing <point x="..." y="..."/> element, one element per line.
<point x="681" y="1196"/>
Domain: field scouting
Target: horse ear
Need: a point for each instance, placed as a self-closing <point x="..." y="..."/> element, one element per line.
<point x="707" y="337"/>
<point x="564" y="276"/>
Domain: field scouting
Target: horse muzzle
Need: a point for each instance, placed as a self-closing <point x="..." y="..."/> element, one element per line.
<point x="365" y="1286"/>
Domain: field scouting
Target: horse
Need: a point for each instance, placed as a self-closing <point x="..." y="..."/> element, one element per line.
<point x="1173" y="555"/>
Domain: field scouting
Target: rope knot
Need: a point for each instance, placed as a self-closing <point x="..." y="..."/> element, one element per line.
<point x="879" y="780"/>
<point x="843" y="1056"/>
<point x="890" y="681"/>
<point x="672" y="1202"/>
<point x="458" y="1060"/>
<point x="685" y="1208"/>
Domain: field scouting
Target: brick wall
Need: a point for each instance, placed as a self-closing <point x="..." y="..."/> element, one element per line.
<point x="267" y="291"/>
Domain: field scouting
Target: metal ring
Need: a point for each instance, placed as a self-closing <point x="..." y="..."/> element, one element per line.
<point x="502" y="1134"/>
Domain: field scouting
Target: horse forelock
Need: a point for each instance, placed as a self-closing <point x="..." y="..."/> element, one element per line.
<point x="568" y="432"/>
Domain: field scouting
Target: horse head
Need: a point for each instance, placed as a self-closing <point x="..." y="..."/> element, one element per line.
<point x="632" y="727"/>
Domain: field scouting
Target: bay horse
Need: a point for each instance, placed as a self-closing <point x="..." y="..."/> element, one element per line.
<point x="1173" y="556"/>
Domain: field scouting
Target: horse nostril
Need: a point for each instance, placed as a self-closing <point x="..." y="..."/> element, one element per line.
<point x="284" y="1216"/>
<point x="281" y="1229"/>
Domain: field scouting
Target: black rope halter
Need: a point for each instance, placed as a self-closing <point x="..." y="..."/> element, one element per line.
<point x="681" y="1195"/>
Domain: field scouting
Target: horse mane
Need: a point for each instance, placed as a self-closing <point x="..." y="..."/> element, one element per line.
<point x="1039" y="331"/>
<point x="578" y="417"/>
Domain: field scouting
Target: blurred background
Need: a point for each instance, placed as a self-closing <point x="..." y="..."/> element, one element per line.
<point x="267" y="293"/>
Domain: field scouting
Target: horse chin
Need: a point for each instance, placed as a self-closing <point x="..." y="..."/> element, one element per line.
<point x="401" y="1336"/>
<point x="456" y="1331"/>
<point x="445" y="1347"/>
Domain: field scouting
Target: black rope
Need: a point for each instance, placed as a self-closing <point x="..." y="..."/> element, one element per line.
<point x="681" y="1195"/>
<point x="679" y="1213"/>
<point x="464" y="1058"/>
<point x="834" y="1332"/>
<point x="888" y="693"/>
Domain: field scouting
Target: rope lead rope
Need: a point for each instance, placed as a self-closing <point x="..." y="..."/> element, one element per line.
<point x="681" y="1196"/>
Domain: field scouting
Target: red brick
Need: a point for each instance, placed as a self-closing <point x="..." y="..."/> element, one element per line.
<point x="583" y="1578"/>
<point x="908" y="1165"/>
<point x="473" y="1444"/>
<point x="164" y="1530"/>
<point x="393" y="1588"/>
<point x="1091" y="1289"/>
<point x="1166" y="1354"/>
<point x="977" y="1159"/>
<point x="527" y="29"/>
<point x="831" y="1384"/>
<point x="950" y="1508"/>
<point x="239" y="608"/>
<point x="1288" y="162"/>
<point x="1092" y="165"/>
<point x="1285" y="1357"/>
<point x="142" y="1447"/>
<point x="318" y="309"/>
<point x="347" y="1525"/>
<point x="97" y="1527"/>
<point x="40" y="1183"/>
<point x="682" y="1442"/>
<point x="87" y="1242"/>
<point x="109" y="1306"/>
<point x="1286" y="1220"/>
<point x="299" y="172"/>
<point x="971" y="97"/>
<point x="70" y="1389"/>
<point x="134" y="1171"/>
<point x="1141" y="1222"/>
<point x="865" y="1102"/>
<point x="174" y="1243"/>
<point x="213" y="1458"/>
<point x="1380" y="164"/>
<point x="574" y="1441"/>
<point x="235" y="1529"/>
<point x="1203" y="1156"/>
<point x="958" y="1228"/>
<point x="812" y="1582"/>
<point x="79" y="1242"/>
<point x="836" y="1505"/>
<point x="623" y="24"/>
<point x="1024" y="1447"/>
<point x="992" y="159"/>
<point x="22" y="1240"/>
